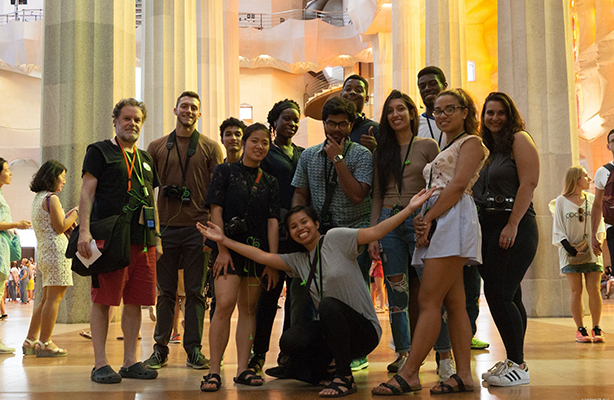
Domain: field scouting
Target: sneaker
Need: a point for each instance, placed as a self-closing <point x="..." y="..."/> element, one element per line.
<point x="598" y="335"/>
<point x="397" y="364"/>
<point x="3" y="317"/>
<point x="4" y="349"/>
<point x="493" y="370"/>
<point x="510" y="374"/>
<point x="445" y="369"/>
<point x="478" y="344"/>
<point x="176" y="338"/>
<point x="256" y="362"/>
<point x="197" y="360"/>
<point x="582" y="335"/>
<point x="359" y="363"/>
<point x="156" y="361"/>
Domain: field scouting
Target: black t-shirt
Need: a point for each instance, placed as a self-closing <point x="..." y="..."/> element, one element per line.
<point x="282" y="167"/>
<point x="231" y="188"/>
<point x="361" y="127"/>
<point x="105" y="161"/>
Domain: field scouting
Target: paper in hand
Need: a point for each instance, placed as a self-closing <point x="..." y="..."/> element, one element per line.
<point x="95" y="255"/>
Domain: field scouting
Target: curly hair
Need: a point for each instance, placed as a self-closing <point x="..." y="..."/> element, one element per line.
<point x="338" y="106"/>
<point x="117" y="110"/>
<point x="505" y="140"/>
<point x="46" y="178"/>
<point x="386" y="159"/>
<point x="278" y="108"/>
<point x="465" y="100"/>
<point x="231" y="122"/>
<point x="431" y="69"/>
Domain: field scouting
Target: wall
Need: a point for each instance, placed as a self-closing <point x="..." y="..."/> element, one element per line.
<point x="6" y="7"/>
<point x="482" y="49"/>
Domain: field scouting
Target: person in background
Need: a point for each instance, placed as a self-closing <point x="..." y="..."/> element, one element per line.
<point x="231" y="132"/>
<point x="364" y="131"/>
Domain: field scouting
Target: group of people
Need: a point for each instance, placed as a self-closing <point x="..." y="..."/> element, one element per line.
<point x="439" y="198"/>
<point x="20" y="283"/>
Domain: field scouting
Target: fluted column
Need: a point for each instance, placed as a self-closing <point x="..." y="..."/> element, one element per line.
<point x="536" y="70"/>
<point x="218" y="62"/>
<point x="88" y="65"/>
<point x="382" y="71"/>
<point x="445" y="39"/>
<point x="406" y="42"/>
<point x="168" y="61"/>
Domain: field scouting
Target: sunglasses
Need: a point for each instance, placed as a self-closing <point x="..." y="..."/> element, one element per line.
<point x="581" y="214"/>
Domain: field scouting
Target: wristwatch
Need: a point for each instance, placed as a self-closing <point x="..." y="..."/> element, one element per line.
<point x="338" y="158"/>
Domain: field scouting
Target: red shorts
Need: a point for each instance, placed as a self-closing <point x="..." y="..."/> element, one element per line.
<point x="136" y="283"/>
<point x="378" y="271"/>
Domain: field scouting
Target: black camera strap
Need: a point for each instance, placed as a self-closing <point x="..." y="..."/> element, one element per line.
<point x="330" y="182"/>
<point x="317" y="260"/>
<point x="170" y="143"/>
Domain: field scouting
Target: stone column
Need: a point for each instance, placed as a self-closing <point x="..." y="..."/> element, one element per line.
<point x="406" y="42"/>
<point x="88" y="65"/>
<point x="218" y="62"/>
<point x="536" y="70"/>
<point x="168" y="60"/>
<point x="382" y="71"/>
<point x="445" y="39"/>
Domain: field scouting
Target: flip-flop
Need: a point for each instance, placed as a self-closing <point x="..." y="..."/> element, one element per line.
<point x="105" y="375"/>
<point x="443" y="388"/>
<point x="213" y="379"/>
<point x="86" y="334"/>
<point x="404" y="387"/>
<point x="249" y="378"/>
<point x="137" y="371"/>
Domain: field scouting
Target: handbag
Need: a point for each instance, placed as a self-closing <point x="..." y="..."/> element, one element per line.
<point x="14" y="245"/>
<point x="588" y="254"/>
<point x="68" y="231"/>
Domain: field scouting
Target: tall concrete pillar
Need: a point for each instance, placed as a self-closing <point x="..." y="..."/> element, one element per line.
<point x="382" y="71"/>
<point x="168" y="61"/>
<point x="218" y="62"/>
<point x="445" y="39"/>
<point x="406" y="43"/>
<point x="536" y="70"/>
<point x="88" y="65"/>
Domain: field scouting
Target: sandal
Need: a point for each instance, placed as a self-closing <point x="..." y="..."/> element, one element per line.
<point x="105" y="375"/>
<point x="137" y="371"/>
<point x="86" y="334"/>
<point x="43" y="350"/>
<point x="249" y="378"/>
<point x="346" y="383"/>
<point x="29" y="347"/>
<point x="212" y="379"/>
<point x="404" y="387"/>
<point x="443" y="388"/>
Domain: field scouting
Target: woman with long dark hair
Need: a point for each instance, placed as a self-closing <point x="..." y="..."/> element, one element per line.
<point x="398" y="161"/>
<point x="50" y="223"/>
<point x="504" y="193"/>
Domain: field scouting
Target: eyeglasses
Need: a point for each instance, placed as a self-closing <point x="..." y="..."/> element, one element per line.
<point x="581" y="214"/>
<point x="449" y="110"/>
<point x="341" y="125"/>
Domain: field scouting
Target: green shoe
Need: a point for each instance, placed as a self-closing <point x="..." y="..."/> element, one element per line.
<point x="156" y="361"/>
<point x="478" y="344"/>
<point x="359" y="363"/>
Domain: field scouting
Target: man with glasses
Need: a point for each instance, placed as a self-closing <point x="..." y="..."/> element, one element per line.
<point x="334" y="177"/>
<point x="431" y="81"/>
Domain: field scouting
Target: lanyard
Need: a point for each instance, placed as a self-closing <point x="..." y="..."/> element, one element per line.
<point x="428" y="121"/>
<point x="130" y="168"/>
<point x="406" y="162"/>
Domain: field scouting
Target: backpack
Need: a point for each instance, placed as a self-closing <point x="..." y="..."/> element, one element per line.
<point x="607" y="207"/>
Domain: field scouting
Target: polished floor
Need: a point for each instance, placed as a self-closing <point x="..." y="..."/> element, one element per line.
<point x="560" y="368"/>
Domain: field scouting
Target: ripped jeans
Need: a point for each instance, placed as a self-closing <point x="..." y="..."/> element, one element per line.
<point x="398" y="246"/>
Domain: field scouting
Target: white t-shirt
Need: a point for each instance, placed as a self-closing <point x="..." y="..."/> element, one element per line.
<point x="428" y="129"/>
<point x="601" y="178"/>
<point x="567" y="225"/>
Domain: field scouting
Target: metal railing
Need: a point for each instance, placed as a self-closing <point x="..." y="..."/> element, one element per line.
<point x="23" y="16"/>
<point x="319" y="85"/>
<point x="267" y="21"/>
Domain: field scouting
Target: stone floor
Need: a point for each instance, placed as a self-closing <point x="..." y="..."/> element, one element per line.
<point x="560" y="368"/>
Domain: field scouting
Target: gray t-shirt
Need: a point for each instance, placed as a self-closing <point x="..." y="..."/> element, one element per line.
<point x="341" y="276"/>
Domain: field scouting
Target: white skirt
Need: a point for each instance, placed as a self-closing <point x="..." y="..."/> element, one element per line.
<point x="458" y="234"/>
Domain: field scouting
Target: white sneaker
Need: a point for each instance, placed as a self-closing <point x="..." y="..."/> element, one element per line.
<point x="509" y="375"/>
<point x="494" y="369"/>
<point x="4" y="349"/>
<point x="446" y="368"/>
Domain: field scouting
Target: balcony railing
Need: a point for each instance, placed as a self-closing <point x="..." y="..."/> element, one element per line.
<point x="267" y="21"/>
<point x="23" y="16"/>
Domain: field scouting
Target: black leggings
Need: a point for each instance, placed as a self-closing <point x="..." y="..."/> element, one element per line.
<point x="341" y="333"/>
<point x="502" y="272"/>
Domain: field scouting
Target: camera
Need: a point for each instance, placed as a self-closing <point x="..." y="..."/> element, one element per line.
<point x="326" y="223"/>
<point x="177" y="192"/>
<point x="235" y="226"/>
<point x="498" y="203"/>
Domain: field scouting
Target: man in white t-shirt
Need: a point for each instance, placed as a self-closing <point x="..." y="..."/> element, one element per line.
<point x="601" y="178"/>
<point x="431" y="81"/>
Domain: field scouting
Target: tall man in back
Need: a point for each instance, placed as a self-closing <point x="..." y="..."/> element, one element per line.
<point x="185" y="160"/>
<point x="364" y="131"/>
<point x="431" y="82"/>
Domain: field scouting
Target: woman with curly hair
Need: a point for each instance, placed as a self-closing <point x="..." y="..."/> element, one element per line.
<point x="448" y="238"/>
<point x="50" y="223"/>
<point x="504" y="192"/>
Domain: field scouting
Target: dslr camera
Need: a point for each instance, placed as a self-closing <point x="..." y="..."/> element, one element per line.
<point x="235" y="226"/>
<point x="177" y="192"/>
<point x="498" y="203"/>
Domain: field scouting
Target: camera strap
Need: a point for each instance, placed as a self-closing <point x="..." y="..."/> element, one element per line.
<point x="254" y="189"/>
<point x="170" y="143"/>
<point x="330" y="182"/>
<point x="317" y="260"/>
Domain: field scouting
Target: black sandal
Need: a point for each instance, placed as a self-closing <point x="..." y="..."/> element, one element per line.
<point x="213" y="379"/>
<point x="249" y="378"/>
<point x="443" y="388"/>
<point x="346" y="383"/>
<point x="404" y="387"/>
